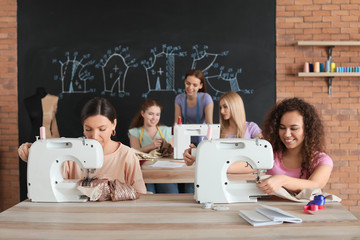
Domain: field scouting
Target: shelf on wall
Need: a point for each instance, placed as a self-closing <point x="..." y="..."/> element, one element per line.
<point x="329" y="74"/>
<point x="330" y="45"/>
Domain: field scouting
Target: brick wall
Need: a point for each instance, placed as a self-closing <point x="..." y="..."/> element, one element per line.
<point x="300" y="20"/>
<point x="9" y="163"/>
<point x="296" y="20"/>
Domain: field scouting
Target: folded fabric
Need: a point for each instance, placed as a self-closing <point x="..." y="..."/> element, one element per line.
<point x="306" y="195"/>
<point x="122" y="191"/>
<point x="144" y="156"/>
<point x="165" y="150"/>
<point x="105" y="189"/>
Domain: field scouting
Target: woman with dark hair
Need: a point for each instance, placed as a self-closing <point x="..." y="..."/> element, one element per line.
<point x="147" y="134"/>
<point x="296" y="133"/>
<point x="194" y="106"/>
<point x="99" y="120"/>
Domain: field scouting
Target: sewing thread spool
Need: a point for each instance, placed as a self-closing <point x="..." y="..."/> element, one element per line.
<point x="327" y="66"/>
<point x="316" y="67"/>
<point x="306" y="67"/>
<point x="179" y="120"/>
<point x="311" y="67"/>
<point x="42" y="133"/>
<point x="209" y="133"/>
<point x="333" y="67"/>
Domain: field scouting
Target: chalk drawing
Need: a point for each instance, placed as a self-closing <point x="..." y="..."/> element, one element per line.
<point x="160" y="68"/>
<point x="74" y="74"/>
<point x="115" y="65"/>
<point x="221" y="82"/>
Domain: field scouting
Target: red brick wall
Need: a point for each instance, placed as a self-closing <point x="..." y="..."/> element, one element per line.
<point x="296" y="20"/>
<point x="9" y="163"/>
<point x="300" y="20"/>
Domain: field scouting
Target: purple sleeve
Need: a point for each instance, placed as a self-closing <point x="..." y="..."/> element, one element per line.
<point x="206" y="99"/>
<point x="252" y="129"/>
<point x="180" y="100"/>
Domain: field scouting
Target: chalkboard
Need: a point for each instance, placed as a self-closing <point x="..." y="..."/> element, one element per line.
<point x="127" y="51"/>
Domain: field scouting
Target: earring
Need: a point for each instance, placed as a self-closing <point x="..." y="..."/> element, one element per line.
<point x="113" y="133"/>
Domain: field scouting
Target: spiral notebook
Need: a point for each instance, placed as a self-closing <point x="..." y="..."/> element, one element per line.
<point x="267" y="215"/>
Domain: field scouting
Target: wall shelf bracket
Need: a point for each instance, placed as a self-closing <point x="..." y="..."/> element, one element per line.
<point x="330" y="51"/>
<point x="330" y="85"/>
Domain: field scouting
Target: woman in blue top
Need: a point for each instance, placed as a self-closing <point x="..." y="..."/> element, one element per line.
<point x="195" y="106"/>
<point x="146" y="134"/>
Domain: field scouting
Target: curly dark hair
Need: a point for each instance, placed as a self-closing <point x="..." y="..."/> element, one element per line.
<point x="314" y="140"/>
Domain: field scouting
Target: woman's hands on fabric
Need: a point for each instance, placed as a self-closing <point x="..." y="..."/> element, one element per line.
<point x="188" y="158"/>
<point x="272" y="184"/>
<point x="23" y="151"/>
<point x="157" y="143"/>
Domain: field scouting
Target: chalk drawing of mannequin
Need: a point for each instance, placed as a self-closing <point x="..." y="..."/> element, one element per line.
<point x="42" y="108"/>
<point x="114" y="74"/>
<point x="70" y="73"/>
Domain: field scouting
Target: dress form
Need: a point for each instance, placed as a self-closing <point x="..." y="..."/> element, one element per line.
<point x="41" y="108"/>
<point x="49" y="108"/>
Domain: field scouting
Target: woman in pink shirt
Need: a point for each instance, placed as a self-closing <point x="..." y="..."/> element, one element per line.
<point x="296" y="133"/>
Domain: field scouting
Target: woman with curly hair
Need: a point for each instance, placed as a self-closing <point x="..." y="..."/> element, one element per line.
<point x="296" y="134"/>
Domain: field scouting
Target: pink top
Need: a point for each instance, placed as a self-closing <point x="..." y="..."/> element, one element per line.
<point x="279" y="167"/>
<point x="121" y="164"/>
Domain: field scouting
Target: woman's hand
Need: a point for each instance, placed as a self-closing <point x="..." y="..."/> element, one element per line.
<point x="157" y="143"/>
<point x="272" y="184"/>
<point x="188" y="158"/>
<point x="23" y="151"/>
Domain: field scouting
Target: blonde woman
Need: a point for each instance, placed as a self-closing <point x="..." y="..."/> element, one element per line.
<point x="233" y="124"/>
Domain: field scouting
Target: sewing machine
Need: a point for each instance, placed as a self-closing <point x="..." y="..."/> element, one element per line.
<point x="184" y="132"/>
<point x="213" y="157"/>
<point x="44" y="169"/>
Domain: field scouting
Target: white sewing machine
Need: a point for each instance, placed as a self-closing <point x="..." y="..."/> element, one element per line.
<point x="184" y="132"/>
<point x="213" y="157"/>
<point x="44" y="169"/>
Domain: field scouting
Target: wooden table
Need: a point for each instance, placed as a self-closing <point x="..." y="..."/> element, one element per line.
<point x="168" y="216"/>
<point x="183" y="174"/>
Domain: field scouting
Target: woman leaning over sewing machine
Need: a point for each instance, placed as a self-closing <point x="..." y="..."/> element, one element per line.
<point x="147" y="135"/>
<point x="296" y="133"/>
<point x="194" y="106"/>
<point x="98" y="117"/>
<point x="233" y="124"/>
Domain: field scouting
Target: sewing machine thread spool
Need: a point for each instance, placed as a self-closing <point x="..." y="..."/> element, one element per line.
<point x="179" y="120"/>
<point x="42" y="133"/>
<point x="209" y="133"/>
